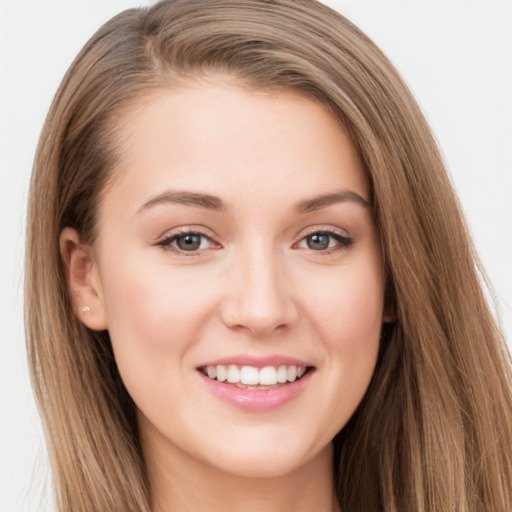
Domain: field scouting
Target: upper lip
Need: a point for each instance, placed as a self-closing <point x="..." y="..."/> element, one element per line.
<point x="258" y="362"/>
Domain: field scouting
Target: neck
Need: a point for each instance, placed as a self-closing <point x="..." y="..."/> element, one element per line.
<point x="179" y="482"/>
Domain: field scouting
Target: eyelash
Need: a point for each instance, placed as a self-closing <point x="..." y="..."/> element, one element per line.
<point x="344" y="242"/>
<point x="167" y="242"/>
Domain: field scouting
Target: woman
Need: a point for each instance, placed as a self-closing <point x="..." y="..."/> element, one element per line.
<point x="248" y="279"/>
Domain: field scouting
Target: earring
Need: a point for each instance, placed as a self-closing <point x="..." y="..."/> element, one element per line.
<point x="86" y="309"/>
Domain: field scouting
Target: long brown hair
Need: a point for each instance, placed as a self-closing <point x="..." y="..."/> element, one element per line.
<point x="434" y="431"/>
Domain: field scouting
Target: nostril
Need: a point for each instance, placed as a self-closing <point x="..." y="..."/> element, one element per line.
<point x="258" y="299"/>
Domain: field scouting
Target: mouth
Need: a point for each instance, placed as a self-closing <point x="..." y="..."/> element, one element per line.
<point x="253" y="377"/>
<point x="256" y="384"/>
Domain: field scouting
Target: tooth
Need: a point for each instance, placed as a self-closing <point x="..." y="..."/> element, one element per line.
<point x="221" y="373"/>
<point x="282" y="374"/>
<point x="292" y="373"/>
<point x="249" y="375"/>
<point x="268" y="376"/>
<point x="233" y="375"/>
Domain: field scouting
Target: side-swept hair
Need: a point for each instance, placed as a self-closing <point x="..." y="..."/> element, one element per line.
<point x="434" y="431"/>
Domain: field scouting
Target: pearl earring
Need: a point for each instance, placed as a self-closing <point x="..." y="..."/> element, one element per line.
<point x="86" y="309"/>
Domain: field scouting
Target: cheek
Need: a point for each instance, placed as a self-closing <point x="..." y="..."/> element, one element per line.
<point x="355" y="332"/>
<point x="348" y="308"/>
<point x="152" y="311"/>
<point x="347" y="318"/>
<point x="155" y="315"/>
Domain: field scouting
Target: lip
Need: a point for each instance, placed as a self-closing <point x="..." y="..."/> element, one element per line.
<point x="256" y="400"/>
<point x="258" y="362"/>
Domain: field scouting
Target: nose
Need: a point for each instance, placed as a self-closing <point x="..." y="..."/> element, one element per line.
<point x="259" y="296"/>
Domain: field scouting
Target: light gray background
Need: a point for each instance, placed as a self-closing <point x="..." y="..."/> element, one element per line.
<point x="455" y="54"/>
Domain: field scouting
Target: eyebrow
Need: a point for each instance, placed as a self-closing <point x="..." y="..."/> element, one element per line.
<point x="210" y="202"/>
<point x="186" y="198"/>
<point x="322" y="201"/>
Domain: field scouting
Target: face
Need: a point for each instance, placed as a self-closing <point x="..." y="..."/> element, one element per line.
<point x="238" y="271"/>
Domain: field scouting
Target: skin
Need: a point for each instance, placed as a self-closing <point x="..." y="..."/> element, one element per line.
<point x="254" y="287"/>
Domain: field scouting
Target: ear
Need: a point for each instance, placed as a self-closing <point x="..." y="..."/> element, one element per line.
<point x="83" y="280"/>
<point x="389" y="314"/>
<point x="388" y="317"/>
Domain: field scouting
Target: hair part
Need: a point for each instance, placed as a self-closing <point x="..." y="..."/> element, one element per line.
<point x="434" y="429"/>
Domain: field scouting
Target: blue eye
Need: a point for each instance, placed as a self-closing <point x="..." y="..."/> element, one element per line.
<point x="325" y="240"/>
<point x="190" y="242"/>
<point x="187" y="242"/>
<point x="318" y="241"/>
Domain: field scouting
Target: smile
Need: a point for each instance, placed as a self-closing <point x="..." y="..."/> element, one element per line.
<point x="251" y="377"/>
<point x="261" y="386"/>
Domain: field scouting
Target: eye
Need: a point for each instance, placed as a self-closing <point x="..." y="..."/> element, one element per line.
<point x="190" y="242"/>
<point x="325" y="241"/>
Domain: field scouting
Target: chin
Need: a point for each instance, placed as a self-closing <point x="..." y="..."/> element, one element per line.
<point x="257" y="468"/>
<point x="259" y="463"/>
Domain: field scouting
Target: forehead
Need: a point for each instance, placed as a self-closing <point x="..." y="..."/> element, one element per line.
<point x="219" y="137"/>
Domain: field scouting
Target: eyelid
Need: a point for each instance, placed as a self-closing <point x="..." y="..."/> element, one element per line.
<point x="345" y="241"/>
<point x="320" y="228"/>
<point x="165" y="241"/>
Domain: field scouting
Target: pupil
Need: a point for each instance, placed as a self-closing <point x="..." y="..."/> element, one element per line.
<point x="189" y="242"/>
<point x="318" y="241"/>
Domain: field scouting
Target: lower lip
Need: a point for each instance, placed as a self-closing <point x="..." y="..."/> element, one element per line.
<point x="257" y="400"/>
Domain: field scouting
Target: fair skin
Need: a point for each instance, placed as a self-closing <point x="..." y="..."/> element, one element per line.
<point x="237" y="232"/>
